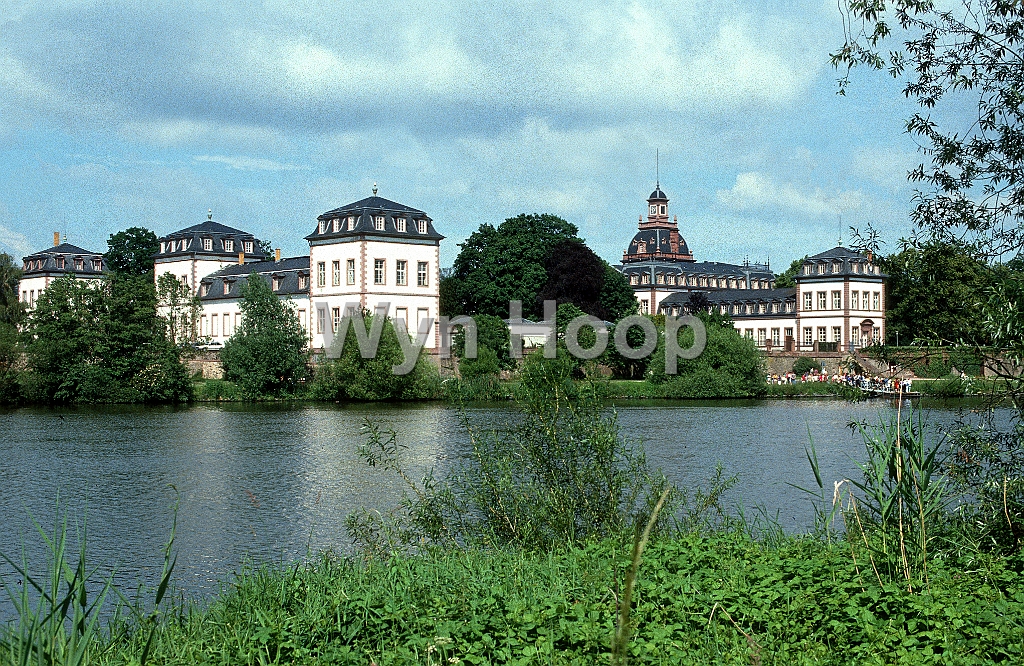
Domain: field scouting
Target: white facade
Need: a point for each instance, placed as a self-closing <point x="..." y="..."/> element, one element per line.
<point x="40" y="269"/>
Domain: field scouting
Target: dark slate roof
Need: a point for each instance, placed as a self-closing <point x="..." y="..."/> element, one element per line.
<point x="364" y="211"/>
<point x="288" y="270"/>
<point x="48" y="261"/>
<point x="660" y="239"/>
<point x="657" y="195"/>
<point x="216" y="231"/>
<point x="847" y="259"/>
<point x="752" y="295"/>
<point x="729" y="297"/>
<point x="710" y="268"/>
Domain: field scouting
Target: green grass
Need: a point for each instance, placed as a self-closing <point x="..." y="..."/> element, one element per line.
<point x="814" y="389"/>
<point x="723" y="598"/>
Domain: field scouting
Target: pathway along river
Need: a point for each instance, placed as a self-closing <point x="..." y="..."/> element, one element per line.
<point x="276" y="482"/>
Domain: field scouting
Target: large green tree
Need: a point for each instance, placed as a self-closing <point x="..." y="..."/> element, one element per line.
<point x="101" y="342"/>
<point x="787" y="278"/>
<point x="504" y="263"/>
<point x="267" y="354"/>
<point x="934" y="293"/>
<point x="179" y="309"/>
<point x="11" y="308"/>
<point x="130" y="252"/>
<point x="575" y="274"/>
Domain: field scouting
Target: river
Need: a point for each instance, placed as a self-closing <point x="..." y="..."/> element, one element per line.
<point x="275" y="482"/>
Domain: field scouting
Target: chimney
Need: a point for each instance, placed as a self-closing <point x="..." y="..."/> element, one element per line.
<point x="241" y="258"/>
<point x="56" y="238"/>
<point x="277" y="254"/>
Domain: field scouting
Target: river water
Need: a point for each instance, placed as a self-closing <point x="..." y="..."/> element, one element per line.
<point x="276" y="482"/>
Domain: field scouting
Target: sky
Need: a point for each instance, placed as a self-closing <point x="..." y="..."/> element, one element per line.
<point x="116" y="114"/>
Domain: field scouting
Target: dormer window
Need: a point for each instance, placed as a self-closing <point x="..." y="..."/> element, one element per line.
<point x="421" y="226"/>
<point x="227" y="287"/>
<point x="97" y="265"/>
<point x="400" y="224"/>
<point x="837" y="268"/>
<point x="323" y="226"/>
<point x="336" y="224"/>
<point x="79" y="264"/>
<point x="60" y="263"/>
<point x="247" y="247"/>
<point x="229" y="245"/>
<point x="646" y="279"/>
<point x="275" y="282"/>
<point x="821" y="269"/>
<point x="302" y="282"/>
<point x="207" y="244"/>
<point x="351" y="223"/>
<point x="661" y="278"/>
<point x="807" y="270"/>
<point x="632" y="279"/>
<point x="204" y="289"/>
<point x="378" y="223"/>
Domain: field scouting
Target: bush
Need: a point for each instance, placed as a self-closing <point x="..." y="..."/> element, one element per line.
<point x="804" y="365"/>
<point x="352" y="377"/>
<point x="219" y="389"/>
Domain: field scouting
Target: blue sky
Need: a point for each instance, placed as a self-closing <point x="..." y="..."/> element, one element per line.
<point x="117" y="114"/>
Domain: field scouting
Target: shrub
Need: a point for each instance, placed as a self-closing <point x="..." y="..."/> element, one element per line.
<point x="805" y="364"/>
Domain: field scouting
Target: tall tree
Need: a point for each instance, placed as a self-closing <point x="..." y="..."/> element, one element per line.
<point x="11" y="308"/>
<point x="934" y="293"/>
<point x="130" y="252"/>
<point x="787" y="278"/>
<point x="971" y="56"/>
<point x="497" y="265"/>
<point x="267" y="354"/>
<point x="179" y="309"/>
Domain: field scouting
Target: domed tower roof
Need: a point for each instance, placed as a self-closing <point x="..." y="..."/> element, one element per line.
<point x="657" y="194"/>
<point x="658" y="238"/>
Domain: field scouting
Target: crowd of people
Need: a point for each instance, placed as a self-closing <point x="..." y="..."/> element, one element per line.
<point x="845" y="377"/>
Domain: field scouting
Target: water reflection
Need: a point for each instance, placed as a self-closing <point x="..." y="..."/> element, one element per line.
<point x="275" y="482"/>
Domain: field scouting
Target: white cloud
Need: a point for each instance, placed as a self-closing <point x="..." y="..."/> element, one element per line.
<point x="754" y="190"/>
<point x="243" y="163"/>
<point x="14" y="241"/>
<point x="885" y="166"/>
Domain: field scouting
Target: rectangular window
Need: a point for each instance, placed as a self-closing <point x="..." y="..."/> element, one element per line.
<point x="775" y="308"/>
<point x="351" y="223"/>
<point x="227" y="324"/>
<point x="321" y="274"/>
<point x="644" y="306"/>
<point x="855" y="300"/>
<point x="776" y="337"/>
<point x="789" y="307"/>
<point x="378" y="223"/>
<point x="822" y="302"/>
<point x="400" y="272"/>
<point x="400" y="224"/>
<point x="837" y="300"/>
<point x="227" y="288"/>
<point x="214" y="320"/>
<point x="247" y="247"/>
<point x="837" y="334"/>
<point x="749" y="333"/>
<point x="761" y="335"/>
<point x="788" y="332"/>
<point x="208" y="244"/>
<point x="336" y="224"/>
<point x="204" y="326"/>
<point x="335" y="273"/>
<point x="323" y="226"/>
<point x="302" y="282"/>
<point x="808" y="297"/>
<point x="335" y="319"/>
<point x="320" y="316"/>
<point x="808" y="335"/>
<point x="237" y="319"/>
<point x="402" y="314"/>
<point x="822" y="334"/>
<point x="421" y="314"/>
<point x="855" y="335"/>
<point x="875" y="305"/>
<point x="421" y="274"/>
<point x="350" y="271"/>
<point x="378" y="271"/>
<point x="229" y="246"/>
<point x="421" y="226"/>
<point x="302" y="319"/>
<point x="275" y="283"/>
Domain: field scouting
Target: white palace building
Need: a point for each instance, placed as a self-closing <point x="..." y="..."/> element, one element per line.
<point x="372" y="253"/>
<point x="838" y="303"/>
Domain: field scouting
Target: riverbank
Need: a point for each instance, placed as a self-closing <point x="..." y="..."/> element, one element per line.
<point x="721" y="598"/>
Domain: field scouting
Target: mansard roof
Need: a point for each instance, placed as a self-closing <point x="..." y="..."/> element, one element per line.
<point x="850" y="263"/>
<point x="192" y="237"/>
<point x="363" y="213"/>
<point x="709" y="268"/>
<point x="48" y="261"/>
<point x="234" y="276"/>
<point x="838" y="252"/>
<point x="659" y="241"/>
